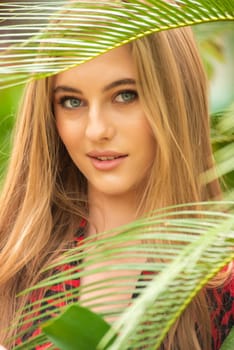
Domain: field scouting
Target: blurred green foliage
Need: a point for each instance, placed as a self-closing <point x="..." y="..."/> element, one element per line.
<point x="9" y="101"/>
<point x="222" y="137"/>
<point x="215" y="41"/>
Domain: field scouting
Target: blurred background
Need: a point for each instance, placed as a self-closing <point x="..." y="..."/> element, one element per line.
<point x="215" y="41"/>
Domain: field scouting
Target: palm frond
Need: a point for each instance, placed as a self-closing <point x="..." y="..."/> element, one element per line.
<point x="177" y="278"/>
<point x="39" y="39"/>
<point x="178" y="250"/>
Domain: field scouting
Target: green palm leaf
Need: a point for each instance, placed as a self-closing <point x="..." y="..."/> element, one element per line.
<point x="44" y="41"/>
<point x="189" y="252"/>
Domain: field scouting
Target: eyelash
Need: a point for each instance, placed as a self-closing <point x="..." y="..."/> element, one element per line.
<point x="64" y="99"/>
<point x="128" y="91"/>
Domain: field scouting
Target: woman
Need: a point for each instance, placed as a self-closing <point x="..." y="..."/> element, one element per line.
<point x="108" y="142"/>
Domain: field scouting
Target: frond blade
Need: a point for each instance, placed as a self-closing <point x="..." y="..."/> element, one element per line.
<point x="181" y="250"/>
<point x="39" y="39"/>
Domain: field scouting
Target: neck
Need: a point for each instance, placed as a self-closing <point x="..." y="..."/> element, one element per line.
<point x="108" y="212"/>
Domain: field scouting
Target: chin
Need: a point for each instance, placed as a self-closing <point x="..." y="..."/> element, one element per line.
<point x="114" y="192"/>
<point x="114" y="189"/>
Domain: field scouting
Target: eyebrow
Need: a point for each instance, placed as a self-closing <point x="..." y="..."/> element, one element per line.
<point x="126" y="81"/>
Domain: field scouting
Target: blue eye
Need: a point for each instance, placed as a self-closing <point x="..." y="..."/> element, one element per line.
<point x="70" y="102"/>
<point x="126" y="96"/>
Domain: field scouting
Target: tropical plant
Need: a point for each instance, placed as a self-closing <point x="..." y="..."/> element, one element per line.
<point x="199" y="246"/>
<point x="44" y="42"/>
<point x="199" y="250"/>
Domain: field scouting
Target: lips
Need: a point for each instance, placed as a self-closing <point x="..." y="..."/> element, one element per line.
<point x="107" y="155"/>
<point x="107" y="160"/>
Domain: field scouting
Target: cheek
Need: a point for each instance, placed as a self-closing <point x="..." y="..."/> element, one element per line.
<point x="148" y="142"/>
<point x="149" y="149"/>
<point x="68" y="132"/>
<point x="146" y="130"/>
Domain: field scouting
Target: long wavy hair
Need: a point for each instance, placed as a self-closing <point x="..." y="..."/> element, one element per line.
<point x="45" y="195"/>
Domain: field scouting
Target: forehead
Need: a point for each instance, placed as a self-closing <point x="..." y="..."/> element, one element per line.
<point x="114" y="64"/>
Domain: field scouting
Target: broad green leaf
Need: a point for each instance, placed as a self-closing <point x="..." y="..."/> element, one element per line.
<point x="229" y="341"/>
<point x="77" y="328"/>
<point x="39" y="39"/>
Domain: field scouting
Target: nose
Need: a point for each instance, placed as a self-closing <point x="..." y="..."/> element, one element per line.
<point x="100" y="126"/>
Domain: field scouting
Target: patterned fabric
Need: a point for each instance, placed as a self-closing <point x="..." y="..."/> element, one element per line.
<point x="51" y="295"/>
<point x="221" y="302"/>
<point x="222" y="312"/>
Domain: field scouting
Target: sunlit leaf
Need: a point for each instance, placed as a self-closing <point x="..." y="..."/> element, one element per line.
<point x="47" y="37"/>
<point x="76" y="328"/>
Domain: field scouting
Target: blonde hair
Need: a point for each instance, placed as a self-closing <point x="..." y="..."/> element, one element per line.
<point x="173" y="91"/>
<point x="44" y="196"/>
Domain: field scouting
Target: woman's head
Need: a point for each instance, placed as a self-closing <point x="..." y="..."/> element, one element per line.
<point x="101" y="122"/>
<point x="169" y="91"/>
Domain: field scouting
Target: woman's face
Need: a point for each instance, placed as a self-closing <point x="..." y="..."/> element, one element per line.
<point x="101" y="122"/>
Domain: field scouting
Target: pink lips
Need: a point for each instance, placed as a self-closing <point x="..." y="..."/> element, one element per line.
<point x="107" y="160"/>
